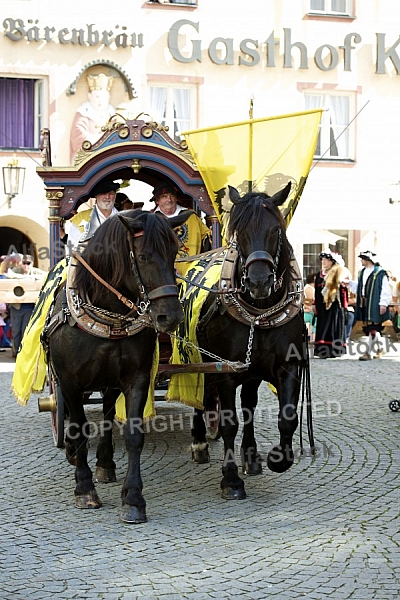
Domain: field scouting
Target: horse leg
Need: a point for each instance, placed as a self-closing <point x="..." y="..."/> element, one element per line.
<point x="232" y="486"/>
<point x="70" y="449"/>
<point x="105" y="465"/>
<point x="85" y="491"/>
<point x="280" y="458"/>
<point x="200" y="452"/>
<point x="133" y="503"/>
<point x="199" y="446"/>
<point x="251" y="459"/>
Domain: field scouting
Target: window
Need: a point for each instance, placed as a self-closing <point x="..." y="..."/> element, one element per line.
<point x="311" y="262"/>
<point x="21" y="112"/>
<point x="336" y="137"/>
<point x="173" y="107"/>
<point x="332" y="7"/>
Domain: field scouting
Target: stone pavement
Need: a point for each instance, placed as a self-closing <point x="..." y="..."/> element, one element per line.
<point x="326" y="529"/>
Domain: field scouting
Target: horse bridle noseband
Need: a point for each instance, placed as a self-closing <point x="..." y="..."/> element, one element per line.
<point x="262" y="256"/>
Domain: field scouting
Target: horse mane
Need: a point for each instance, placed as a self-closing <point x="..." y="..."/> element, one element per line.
<point x="249" y="210"/>
<point x="108" y="251"/>
<point x="252" y="211"/>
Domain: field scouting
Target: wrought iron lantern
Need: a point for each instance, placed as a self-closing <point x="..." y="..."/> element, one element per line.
<point x="13" y="180"/>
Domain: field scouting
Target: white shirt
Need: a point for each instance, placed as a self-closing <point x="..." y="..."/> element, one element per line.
<point x="178" y="210"/>
<point x="75" y="234"/>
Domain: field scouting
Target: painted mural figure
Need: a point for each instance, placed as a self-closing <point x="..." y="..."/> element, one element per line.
<point x="92" y="114"/>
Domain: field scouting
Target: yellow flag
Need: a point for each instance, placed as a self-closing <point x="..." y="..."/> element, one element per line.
<point x="256" y="155"/>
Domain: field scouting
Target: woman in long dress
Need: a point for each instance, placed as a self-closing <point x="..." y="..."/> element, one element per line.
<point x="330" y="303"/>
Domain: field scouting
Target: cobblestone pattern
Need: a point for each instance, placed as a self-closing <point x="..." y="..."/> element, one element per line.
<point x="326" y="529"/>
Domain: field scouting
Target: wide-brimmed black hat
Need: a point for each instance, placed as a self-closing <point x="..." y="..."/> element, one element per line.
<point x="103" y="187"/>
<point x="165" y="187"/>
<point x="368" y="255"/>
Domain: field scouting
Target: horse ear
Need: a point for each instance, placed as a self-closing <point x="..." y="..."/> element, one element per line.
<point x="233" y="194"/>
<point x="280" y="197"/>
<point x="133" y="225"/>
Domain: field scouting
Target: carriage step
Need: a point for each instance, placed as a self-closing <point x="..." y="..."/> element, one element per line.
<point x="208" y="367"/>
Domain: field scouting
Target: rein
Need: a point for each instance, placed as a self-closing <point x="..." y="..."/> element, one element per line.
<point x="160" y="292"/>
<point x="120" y="296"/>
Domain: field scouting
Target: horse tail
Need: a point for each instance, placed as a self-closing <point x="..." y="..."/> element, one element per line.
<point x="305" y="382"/>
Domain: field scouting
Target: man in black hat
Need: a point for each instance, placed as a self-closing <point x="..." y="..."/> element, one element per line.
<point x="193" y="235"/>
<point x="84" y="223"/>
<point x="373" y="299"/>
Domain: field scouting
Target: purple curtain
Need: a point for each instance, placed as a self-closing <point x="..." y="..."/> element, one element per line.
<point x="17" y="108"/>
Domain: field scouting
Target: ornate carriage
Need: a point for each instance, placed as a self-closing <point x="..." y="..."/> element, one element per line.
<point x="134" y="150"/>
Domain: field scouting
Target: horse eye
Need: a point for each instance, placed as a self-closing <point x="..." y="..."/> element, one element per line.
<point x="142" y="257"/>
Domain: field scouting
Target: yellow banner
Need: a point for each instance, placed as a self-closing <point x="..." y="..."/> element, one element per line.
<point x="256" y="155"/>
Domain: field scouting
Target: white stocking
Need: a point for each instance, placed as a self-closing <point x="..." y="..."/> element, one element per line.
<point x="374" y="342"/>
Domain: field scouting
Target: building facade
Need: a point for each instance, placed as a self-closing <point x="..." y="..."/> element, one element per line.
<point x="202" y="63"/>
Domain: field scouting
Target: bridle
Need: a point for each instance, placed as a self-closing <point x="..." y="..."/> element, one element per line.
<point x="260" y="256"/>
<point x="162" y="291"/>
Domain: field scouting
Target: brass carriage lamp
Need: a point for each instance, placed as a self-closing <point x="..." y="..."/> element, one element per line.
<point x="13" y="180"/>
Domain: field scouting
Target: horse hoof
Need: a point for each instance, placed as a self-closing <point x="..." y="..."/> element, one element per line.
<point x="103" y="475"/>
<point x="252" y="468"/>
<point x="200" y="453"/>
<point x="133" y="515"/>
<point x="279" y="460"/>
<point x="90" y="500"/>
<point x="233" y="494"/>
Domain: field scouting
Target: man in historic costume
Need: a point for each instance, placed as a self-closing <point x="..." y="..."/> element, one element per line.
<point x="373" y="298"/>
<point x="193" y="235"/>
<point x="330" y="304"/>
<point x="93" y="114"/>
<point x="83" y="225"/>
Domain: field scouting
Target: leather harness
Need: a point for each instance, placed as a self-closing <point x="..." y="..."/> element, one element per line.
<point x="100" y="322"/>
<point x="237" y="308"/>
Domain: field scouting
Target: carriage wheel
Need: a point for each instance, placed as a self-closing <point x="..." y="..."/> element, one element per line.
<point x="58" y="415"/>
<point x="394" y="405"/>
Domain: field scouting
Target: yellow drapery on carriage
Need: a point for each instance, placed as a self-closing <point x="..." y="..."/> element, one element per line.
<point x="30" y="372"/>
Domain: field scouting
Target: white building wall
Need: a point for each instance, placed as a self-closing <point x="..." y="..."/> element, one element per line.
<point x="337" y="196"/>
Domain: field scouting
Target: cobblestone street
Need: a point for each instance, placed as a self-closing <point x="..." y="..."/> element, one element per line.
<point x="327" y="528"/>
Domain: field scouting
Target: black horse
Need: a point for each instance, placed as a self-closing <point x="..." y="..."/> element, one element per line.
<point x="261" y="324"/>
<point x="133" y="253"/>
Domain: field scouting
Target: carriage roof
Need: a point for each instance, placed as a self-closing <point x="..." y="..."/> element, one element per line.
<point x="128" y="150"/>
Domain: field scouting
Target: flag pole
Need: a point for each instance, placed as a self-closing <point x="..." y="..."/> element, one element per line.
<point x="250" y="175"/>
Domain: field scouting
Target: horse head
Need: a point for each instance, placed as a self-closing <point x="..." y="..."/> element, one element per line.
<point x="257" y="226"/>
<point x="153" y="248"/>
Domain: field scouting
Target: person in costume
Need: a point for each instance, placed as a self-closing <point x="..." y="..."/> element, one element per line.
<point x="309" y="298"/>
<point x="193" y="235"/>
<point x="330" y="304"/>
<point x="123" y="202"/>
<point x="83" y="225"/>
<point x="373" y="299"/>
